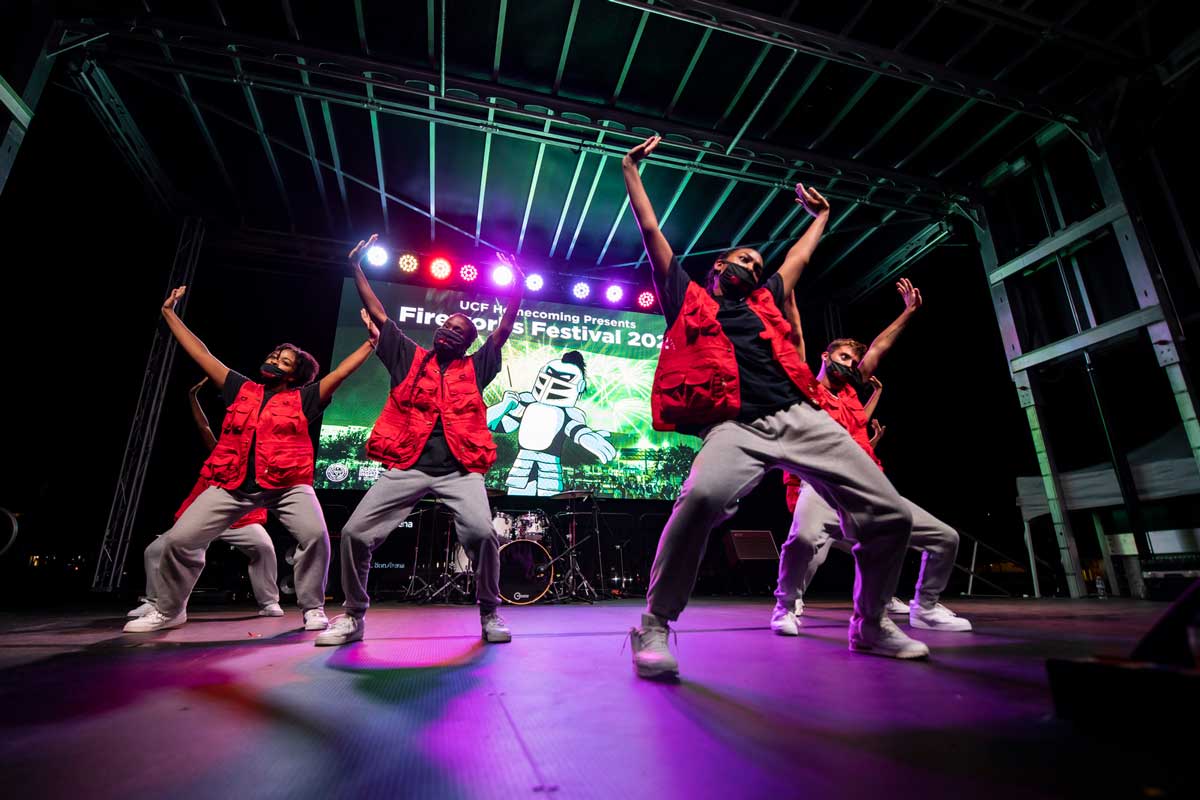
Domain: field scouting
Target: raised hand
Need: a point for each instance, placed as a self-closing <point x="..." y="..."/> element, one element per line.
<point x="361" y="249"/>
<point x="812" y="200"/>
<point x="877" y="430"/>
<point x="199" y="385"/>
<point x="174" y="297"/>
<point x="910" y="294"/>
<point x="640" y="151"/>
<point x="372" y="329"/>
<point x="509" y="260"/>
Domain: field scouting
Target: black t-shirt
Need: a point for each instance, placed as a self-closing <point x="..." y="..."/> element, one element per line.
<point x="397" y="352"/>
<point x="310" y="404"/>
<point x="765" y="387"/>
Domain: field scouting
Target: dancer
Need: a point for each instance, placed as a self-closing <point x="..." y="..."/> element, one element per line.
<point x="247" y="535"/>
<point x="728" y="373"/>
<point x="263" y="459"/>
<point x="432" y="437"/>
<point x="815" y="524"/>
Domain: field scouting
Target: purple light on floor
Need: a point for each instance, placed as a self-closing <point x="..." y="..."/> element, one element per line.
<point x="614" y="293"/>
<point x="581" y="290"/>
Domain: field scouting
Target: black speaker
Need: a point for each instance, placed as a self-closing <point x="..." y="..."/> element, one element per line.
<point x="742" y="546"/>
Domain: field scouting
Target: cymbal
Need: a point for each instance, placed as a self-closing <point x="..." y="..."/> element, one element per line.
<point x="574" y="494"/>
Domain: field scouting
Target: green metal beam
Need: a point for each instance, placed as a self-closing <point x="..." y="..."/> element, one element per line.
<point x="566" y="48"/>
<point x="499" y="38"/>
<point x="483" y="176"/>
<point x="637" y="38"/>
<point x="562" y="217"/>
<point x="687" y="73"/>
<point x="587" y="204"/>
<point x="737" y="97"/>
<point x="813" y="74"/>
<point x="537" y="169"/>
<point x="617" y="222"/>
<point x="854" y="100"/>
<point x="709" y="217"/>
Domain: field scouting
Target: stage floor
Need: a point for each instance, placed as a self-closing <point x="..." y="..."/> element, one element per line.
<point x="233" y="705"/>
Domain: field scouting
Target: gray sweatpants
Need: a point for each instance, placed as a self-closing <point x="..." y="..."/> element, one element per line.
<point x="391" y="500"/>
<point x="255" y="544"/>
<point x="815" y="528"/>
<point x="805" y="440"/>
<point x="214" y="511"/>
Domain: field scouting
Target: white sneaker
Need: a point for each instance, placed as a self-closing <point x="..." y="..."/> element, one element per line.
<point x="884" y="640"/>
<point x="897" y="607"/>
<point x="315" y="620"/>
<point x="938" y="618"/>
<point x="651" y="657"/>
<point x="799" y="611"/>
<point x="142" y="610"/>
<point x="345" y="629"/>
<point x="271" y="610"/>
<point x="495" y="629"/>
<point x="784" y="622"/>
<point x="155" y="621"/>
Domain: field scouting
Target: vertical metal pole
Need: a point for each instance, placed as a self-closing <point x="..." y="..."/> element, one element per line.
<point x="1037" y="588"/>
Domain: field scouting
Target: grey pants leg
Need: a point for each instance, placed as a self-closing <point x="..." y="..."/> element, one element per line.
<point x="938" y="543"/>
<point x="390" y="501"/>
<point x="805" y="440"/>
<point x="151" y="557"/>
<point x="467" y="497"/>
<point x="211" y="515"/>
<point x="255" y="544"/>
<point x="815" y="528"/>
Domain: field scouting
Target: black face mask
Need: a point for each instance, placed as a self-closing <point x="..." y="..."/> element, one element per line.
<point x="737" y="281"/>
<point x="449" y="343"/>
<point x="272" y="371"/>
<point x="844" y="374"/>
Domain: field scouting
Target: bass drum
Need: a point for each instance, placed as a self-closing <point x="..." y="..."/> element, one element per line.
<point x="525" y="572"/>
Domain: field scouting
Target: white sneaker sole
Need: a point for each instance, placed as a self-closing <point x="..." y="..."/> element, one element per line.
<point x="780" y="630"/>
<point x="497" y="638"/>
<point x="174" y="623"/>
<point x="656" y="672"/>
<point x="334" y="641"/>
<point x="316" y="626"/>
<point x="909" y="654"/>
<point x="265" y="613"/>
<point x="958" y="626"/>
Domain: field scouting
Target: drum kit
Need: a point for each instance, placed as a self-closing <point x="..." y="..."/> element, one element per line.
<point x="538" y="561"/>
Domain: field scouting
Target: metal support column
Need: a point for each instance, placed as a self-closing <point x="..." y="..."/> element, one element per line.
<point x="118" y="532"/>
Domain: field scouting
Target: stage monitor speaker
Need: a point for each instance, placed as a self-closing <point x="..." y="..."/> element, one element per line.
<point x="743" y="546"/>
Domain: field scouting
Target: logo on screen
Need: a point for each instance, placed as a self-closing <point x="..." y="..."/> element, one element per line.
<point x="337" y="472"/>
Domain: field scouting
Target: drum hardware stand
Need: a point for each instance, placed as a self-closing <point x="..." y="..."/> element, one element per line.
<point x="574" y="584"/>
<point x="622" y="581"/>
<point x="451" y="585"/>
<point x="412" y="591"/>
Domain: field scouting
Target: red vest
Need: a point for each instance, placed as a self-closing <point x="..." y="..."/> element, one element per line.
<point x="847" y="410"/>
<point x="696" y="383"/>
<point x="412" y="408"/>
<point x="256" y="517"/>
<point x="283" y="450"/>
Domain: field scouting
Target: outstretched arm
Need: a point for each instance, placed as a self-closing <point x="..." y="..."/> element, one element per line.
<point x="212" y="366"/>
<point x="793" y="316"/>
<point x="350" y="363"/>
<point x="884" y="341"/>
<point x="210" y="441"/>
<point x="869" y="408"/>
<point x="505" y="328"/>
<point x="657" y="248"/>
<point x="801" y="252"/>
<point x="365" y="292"/>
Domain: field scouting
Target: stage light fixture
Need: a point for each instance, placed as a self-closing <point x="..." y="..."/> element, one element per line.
<point x="440" y="269"/>
<point x="502" y="275"/>
<point x="377" y="256"/>
<point x="581" y="290"/>
<point x="408" y="263"/>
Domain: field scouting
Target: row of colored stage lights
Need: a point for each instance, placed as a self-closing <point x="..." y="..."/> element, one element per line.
<point x="440" y="269"/>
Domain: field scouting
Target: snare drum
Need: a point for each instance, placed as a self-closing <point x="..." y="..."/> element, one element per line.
<point x="525" y="572"/>
<point x="531" y="525"/>
<point x="502" y="524"/>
